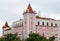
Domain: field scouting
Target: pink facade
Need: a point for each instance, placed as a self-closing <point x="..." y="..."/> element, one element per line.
<point x="19" y="30"/>
<point x="47" y="31"/>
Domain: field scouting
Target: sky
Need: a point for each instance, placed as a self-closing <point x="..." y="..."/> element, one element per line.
<point x="12" y="10"/>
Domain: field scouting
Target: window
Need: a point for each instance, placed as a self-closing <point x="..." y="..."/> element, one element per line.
<point x="56" y="25"/>
<point x="22" y="24"/>
<point x="47" y="24"/>
<point x="59" y="24"/>
<point x="51" y="24"/>
<point x="43" y="23"/>
<point x="38" y="23"/>
<point x="55" y="34"/>
<point x="59" y="38"/>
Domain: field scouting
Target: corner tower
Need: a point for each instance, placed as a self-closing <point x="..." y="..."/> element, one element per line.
<point x="29" y="21"/>
<point x="6" y="28"/>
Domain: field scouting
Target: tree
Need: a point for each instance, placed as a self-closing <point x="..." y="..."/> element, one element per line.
<point x="10" y="37"/>
<point x="37" y="37"/>
<point x="51" y="38"/>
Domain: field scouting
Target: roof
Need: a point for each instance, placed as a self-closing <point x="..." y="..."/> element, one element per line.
<point x="44" y="18"/>
<point x="7" y="26"/>
<point x="29" y="9"/>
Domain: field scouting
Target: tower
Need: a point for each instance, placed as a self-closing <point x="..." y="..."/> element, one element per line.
<point x="6" y="28"/>
<point x="29" y="21"/>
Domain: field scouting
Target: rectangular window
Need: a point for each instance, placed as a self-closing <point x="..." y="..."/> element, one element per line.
<point x="38" y="23"/>
<point x="51" y="24"/>
<point x="47" y="24"/>
<point x="42" y="23"/>
<point x="56" y="25"/>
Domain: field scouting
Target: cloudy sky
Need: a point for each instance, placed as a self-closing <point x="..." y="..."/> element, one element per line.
<point x="11" y="10"/>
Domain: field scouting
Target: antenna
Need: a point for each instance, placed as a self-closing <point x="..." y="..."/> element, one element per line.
<point x="29" y="1"/>
<point x="38" y="13"/>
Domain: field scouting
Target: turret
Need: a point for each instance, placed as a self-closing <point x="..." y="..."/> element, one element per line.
<point x="29" y="21"/>
<point x="6" y="28"/>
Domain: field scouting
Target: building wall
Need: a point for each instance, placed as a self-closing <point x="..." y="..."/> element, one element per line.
<point x="58" y="33"/>
<point x="48" y="30"/>
<point x="45" y="30"/>
<point x="49" y="22"/>
<point x="19" y="30"/>
<point x="30" y="24"/>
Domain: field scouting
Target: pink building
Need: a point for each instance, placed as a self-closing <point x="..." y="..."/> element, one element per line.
<point x="35" y="24"/>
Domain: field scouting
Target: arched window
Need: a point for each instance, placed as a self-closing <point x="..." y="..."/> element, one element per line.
<point x="43" y="23"/>
<point x="51" y="24"/>
<point x="38" y="23"/>
<point x="47" y="24"/>
<point x="56" y="25"/>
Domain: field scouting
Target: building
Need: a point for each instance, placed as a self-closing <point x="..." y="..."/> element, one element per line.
<point x="35" y="24"/>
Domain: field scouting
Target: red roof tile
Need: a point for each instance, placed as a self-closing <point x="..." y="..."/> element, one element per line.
<point x="7" y="26"/>
<point x="44" y="18"/>
<point x="29" y="9"/>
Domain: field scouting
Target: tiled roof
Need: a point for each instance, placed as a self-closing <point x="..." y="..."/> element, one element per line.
<point x="44" y="18"/>
<point x="29" y="9"/>
<point x="7" y="26"/>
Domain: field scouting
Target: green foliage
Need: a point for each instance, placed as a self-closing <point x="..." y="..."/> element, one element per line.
<point x="37" y="37"/>
<point x="32" y="37"/>
<point x="51" y="38"/>
<point x="10" y="37"/>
